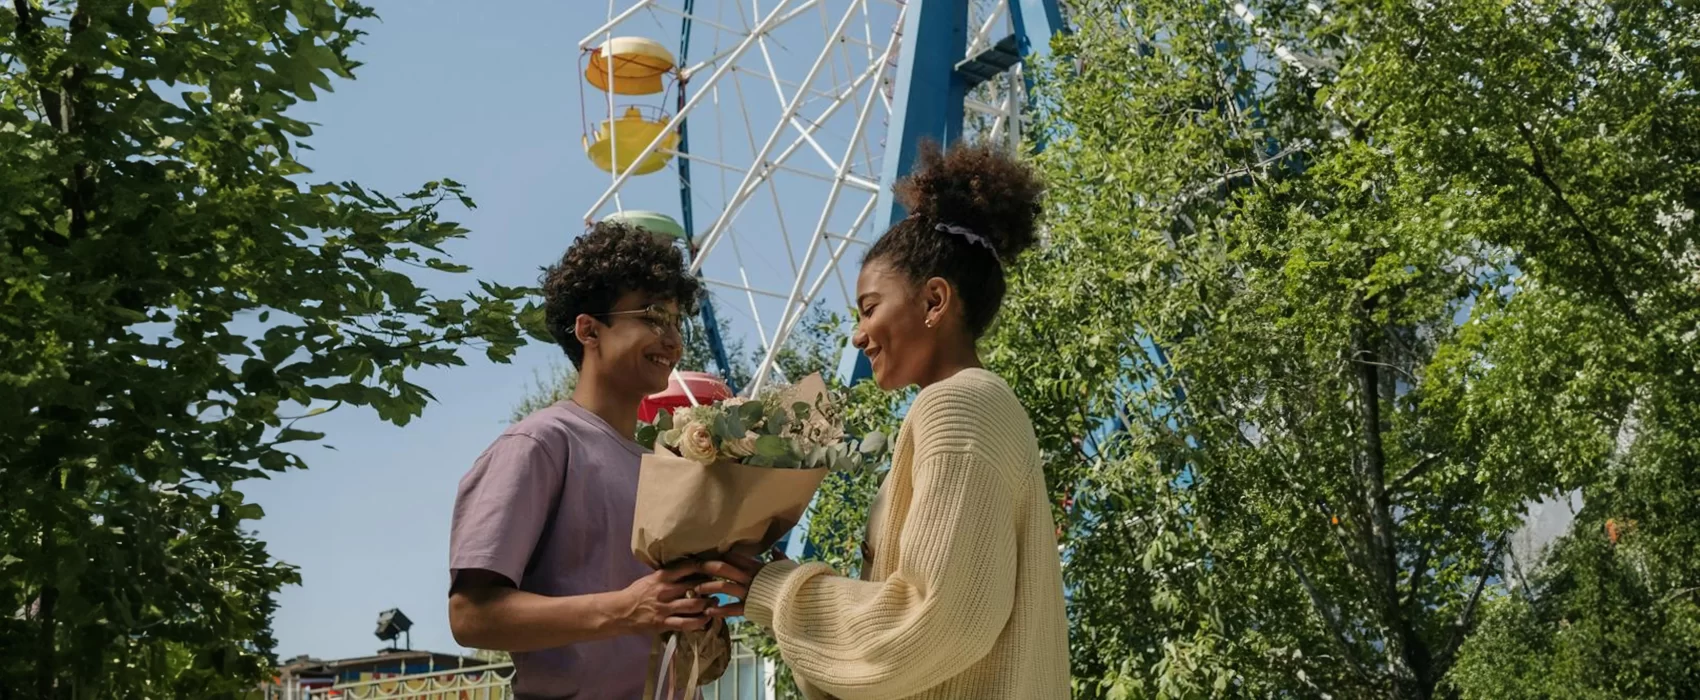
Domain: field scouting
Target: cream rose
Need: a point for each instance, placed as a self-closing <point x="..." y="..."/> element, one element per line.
<point x="820" y="431"/>
<point x="744" y="446"/>
<point x="670" y="437"/>
<point x="684" y="415"/>
<point x="697" y="444"/>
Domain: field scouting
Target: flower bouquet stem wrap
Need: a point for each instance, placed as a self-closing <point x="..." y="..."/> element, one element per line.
<point x="735" y="476"/>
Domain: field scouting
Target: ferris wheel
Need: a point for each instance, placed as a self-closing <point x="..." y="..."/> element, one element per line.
<point x="765" y="135"/>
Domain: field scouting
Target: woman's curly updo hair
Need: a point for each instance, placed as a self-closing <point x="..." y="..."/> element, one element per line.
<point x="607" y="261"/>
<point x="972" y="210"/>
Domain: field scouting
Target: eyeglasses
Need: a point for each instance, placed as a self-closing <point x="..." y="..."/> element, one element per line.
<point x="659" y="319"/>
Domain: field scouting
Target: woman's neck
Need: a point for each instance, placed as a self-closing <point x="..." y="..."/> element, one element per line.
<point x="949" y="362"/>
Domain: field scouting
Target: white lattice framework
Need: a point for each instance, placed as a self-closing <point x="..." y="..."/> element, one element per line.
<point x="787" y="111"/>
<point x="747" y="676"/>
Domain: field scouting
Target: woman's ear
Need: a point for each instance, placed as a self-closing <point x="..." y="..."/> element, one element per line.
<point x="940" y="299"/>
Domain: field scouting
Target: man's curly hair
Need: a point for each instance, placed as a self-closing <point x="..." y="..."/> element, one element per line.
<point x="608" y="261"/>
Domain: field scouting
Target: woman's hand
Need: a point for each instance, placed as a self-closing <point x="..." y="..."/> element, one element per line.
<point x="733" y="576"/>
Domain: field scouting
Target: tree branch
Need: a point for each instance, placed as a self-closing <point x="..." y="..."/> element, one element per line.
<point x="80" y="194"/>
<point x="59" y="107"/>
<point x="46" y="656"/>
<point x="1329" y="615"/>
<point x="1673" y="595"/>
<point x="1407" y="657"/>
<point x="446" y="338"/>
<point x="1420" y="468"/>
<point x="1538" y="169"/>
<point x="1086" y="434"/>
<point x="1225" y="183"/>
<point x="1469" y="611"/>
<point x="29" y="38"/>
<point x="1418" y="568"/>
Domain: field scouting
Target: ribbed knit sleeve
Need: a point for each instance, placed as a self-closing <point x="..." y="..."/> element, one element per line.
<point x="953" y="587"/>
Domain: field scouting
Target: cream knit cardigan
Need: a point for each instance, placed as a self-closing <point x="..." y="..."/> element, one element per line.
<point x="966" y="594"/>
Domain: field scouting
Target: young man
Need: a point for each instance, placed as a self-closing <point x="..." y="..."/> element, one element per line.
<point x="540" y="550"/>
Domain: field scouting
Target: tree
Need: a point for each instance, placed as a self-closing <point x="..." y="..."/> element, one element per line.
<point x="179" y="296"/>
<point x="1357" y="280"/>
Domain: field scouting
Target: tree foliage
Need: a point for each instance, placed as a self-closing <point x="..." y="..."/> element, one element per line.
<point x="1359" y="280"/>
<point x="178" y="293"/>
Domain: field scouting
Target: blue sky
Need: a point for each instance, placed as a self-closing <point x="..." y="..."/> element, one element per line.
<point x="489" y="94"/>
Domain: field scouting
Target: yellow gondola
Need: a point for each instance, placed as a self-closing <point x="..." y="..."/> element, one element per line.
<point x="630" y="133"/>
<point x="639" y="64"/>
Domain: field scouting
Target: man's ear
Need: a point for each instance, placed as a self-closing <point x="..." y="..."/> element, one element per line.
<point x="585" y="328"/>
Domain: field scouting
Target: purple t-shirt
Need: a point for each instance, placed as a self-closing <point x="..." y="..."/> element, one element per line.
<point x="549" y="506"/>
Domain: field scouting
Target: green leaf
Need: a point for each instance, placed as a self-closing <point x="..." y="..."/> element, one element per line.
<point x="872" y="443"/>
<point x="772" y="446"/>
<point x="249" y="511"/>
<point x="777" y="422"/>
<point x="726" y="426"/>
<point x="293" y="435"/>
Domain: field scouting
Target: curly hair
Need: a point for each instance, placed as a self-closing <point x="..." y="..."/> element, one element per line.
<point x="972" y="210"/>
<point x="607" y="261"/>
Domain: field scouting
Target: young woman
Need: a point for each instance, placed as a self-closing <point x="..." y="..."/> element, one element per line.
<point x="962" y="595"/>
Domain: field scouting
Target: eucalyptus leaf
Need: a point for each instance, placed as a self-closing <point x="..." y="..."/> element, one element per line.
<point x="772" y="446"/>
<point x="872" y="443"/>
<point x="777" y="423"/>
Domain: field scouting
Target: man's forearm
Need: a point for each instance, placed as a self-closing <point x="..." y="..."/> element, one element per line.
<point x="508" y="619"/>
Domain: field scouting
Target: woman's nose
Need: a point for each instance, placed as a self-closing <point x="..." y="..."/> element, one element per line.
<point x="859" y="339"/>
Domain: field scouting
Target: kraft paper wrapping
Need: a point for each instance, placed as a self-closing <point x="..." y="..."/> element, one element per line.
<point x="687" y="509"/>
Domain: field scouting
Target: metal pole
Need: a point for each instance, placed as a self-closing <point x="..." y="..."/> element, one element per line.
<point x="584" y="43"/>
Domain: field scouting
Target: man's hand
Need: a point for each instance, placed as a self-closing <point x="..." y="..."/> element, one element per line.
<point x="658" y="602"/>
<point x="733" y="576"/>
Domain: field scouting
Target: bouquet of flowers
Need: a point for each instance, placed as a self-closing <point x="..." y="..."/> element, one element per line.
<point x="777" y="430"/>
<point x="734" y="476"/>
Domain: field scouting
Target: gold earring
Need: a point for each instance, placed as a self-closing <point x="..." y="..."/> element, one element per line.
<point x="929" y="323"/>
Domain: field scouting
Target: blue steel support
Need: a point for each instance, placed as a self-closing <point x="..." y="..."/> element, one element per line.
<point x="710" y="324"/>
<point x="927" y="102"/>
<point x="1036" y="21"/>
